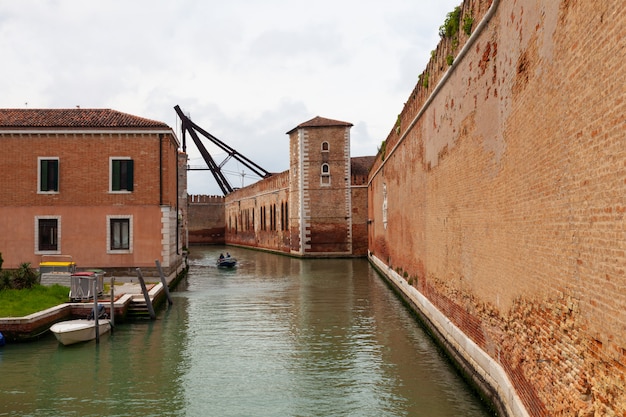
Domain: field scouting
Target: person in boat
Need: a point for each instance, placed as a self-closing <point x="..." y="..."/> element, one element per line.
<point x="221" y="256"/>
<point x="227" y="255"/>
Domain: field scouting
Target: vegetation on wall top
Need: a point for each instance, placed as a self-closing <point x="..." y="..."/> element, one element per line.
<point x="450" y="27"/>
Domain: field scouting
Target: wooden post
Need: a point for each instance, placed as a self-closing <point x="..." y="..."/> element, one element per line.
<point x="112" y="308"/>
<point x="95" y="309"/>
<point x="164" y="282"/>
<point x="146" y="296"/>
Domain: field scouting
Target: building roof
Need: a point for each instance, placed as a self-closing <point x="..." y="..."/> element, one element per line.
<point x="73" y="119"/>
<point x="321" y="122"/>
<point x="361" y="165"/>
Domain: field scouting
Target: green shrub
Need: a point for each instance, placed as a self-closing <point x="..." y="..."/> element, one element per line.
<point x="468" y="21"/>
<point x="382" y="149"/>
<point x="5" y="280"/>
<point x="24" y="277"/>
<point x="450" y="28"/>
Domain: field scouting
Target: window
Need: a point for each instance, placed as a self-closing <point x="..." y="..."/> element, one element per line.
<point x="325" y="147"/>
<point x="286" y="223"/>
<point x="263" y="216"/>
<point x="48" y="175"/>
<point x="47" y="234"/>
<point x="120" y="234"/>
<point x="122" y="174"/>
<point x="325" y="178"/>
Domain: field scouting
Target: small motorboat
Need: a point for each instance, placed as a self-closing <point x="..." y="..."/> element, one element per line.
<point x="226" y="262"/>
<point x="81" y="330"/>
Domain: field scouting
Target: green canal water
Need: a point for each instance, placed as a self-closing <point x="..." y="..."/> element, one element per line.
<point x="276" y="337"/>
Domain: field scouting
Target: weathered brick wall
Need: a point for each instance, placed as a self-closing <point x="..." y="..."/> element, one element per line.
<point x="257" y="215"/>
<point x="504" y="199"/>
<point x="359" y="220"/>
<point x="206" y="219"/>
<point x="84" y="168"/>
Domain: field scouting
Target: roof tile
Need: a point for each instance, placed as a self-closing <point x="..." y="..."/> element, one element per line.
<point x="73" y="118"/>
<point x="321" y="122"/>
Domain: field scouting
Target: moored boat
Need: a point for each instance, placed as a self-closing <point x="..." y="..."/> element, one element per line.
<point x="79" y="330"/>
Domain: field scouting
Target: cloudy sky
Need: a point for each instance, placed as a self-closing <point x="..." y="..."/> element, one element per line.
<point x="247" y="71"/>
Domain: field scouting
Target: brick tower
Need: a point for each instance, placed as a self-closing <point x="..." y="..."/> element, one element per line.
<point x="319" y="188"/>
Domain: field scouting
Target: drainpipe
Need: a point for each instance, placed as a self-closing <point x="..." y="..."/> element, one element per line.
<point x="160" y="169"/>
<point x="177" y="204"/>
<point x="470" y="42"/>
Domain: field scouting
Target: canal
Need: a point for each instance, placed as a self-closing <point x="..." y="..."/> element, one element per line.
<point x="278" y="336"/>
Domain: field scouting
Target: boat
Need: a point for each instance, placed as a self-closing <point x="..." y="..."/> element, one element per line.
<point x="70" y="332"/>
<point x="79" y="330"/>
<point x="227" y="262"/>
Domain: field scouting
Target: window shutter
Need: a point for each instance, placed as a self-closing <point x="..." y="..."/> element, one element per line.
<point x="43" y="170"/>
<point x="53" y="176"/>
<point x="115" y="175"/>
<point x="130" y="175"/>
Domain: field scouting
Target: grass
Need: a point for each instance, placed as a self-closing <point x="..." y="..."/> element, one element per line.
<point x="19" y="303"/>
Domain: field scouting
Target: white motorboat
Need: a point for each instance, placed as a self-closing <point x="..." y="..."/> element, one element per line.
<point x="79" y="330"/>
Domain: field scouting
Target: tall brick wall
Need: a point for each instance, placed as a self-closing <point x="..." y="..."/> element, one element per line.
<point x="501" y="196"/>
<point x="206" y="219"/>
<point x="257" y="215"/>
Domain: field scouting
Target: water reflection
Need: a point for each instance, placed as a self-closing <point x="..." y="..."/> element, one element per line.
<point x="133" y="371"/>
<point x="278" y="336"/>
<point x="286" y="337"/>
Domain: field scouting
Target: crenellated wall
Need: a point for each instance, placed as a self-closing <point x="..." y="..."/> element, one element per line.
<point x="205" y="219"/>
<point x="500" y="196"/>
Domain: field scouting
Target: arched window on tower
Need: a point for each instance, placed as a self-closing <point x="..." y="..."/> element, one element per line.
<point x="325" y="175"/>
<point x="325" y="147"/>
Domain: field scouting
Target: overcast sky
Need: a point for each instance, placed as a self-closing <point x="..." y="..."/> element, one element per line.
<point x="247" y="71"/>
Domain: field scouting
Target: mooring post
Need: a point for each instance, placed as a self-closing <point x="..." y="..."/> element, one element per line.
<point x="164" y="282"/>
<point x="95" y="309"/>
<point x="112" y="308"/>
<point x="146" y="296"/>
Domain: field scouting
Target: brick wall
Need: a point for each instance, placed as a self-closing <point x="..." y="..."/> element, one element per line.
<point x="504" y="198"/>
<point x="206" y="219"/>
<point x="257" y="215"/>
<point x="84" y="200"/>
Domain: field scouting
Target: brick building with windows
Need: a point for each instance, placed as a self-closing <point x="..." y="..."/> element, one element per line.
<point x="318" y="208"/>
<point x="96" y="184"/>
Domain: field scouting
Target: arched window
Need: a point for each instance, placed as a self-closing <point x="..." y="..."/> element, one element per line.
<point x="325" y="174"/>
<point x="325" y="147"/>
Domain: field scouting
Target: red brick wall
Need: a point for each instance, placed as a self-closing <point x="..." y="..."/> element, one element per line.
<point x="84" y="200"/>
<point x="84" y="168"/>
<point x="206" y="219"/>
<point x="359" y="220"/>
<point x="506" y="198"/>
<point x="245" y="208"/>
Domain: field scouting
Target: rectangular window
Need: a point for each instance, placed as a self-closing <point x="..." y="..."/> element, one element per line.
<point x="47" y="235"/>
<point x="49" y="175"/>
<point x="120" y="234"/>
<point x="122" y="171"/>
